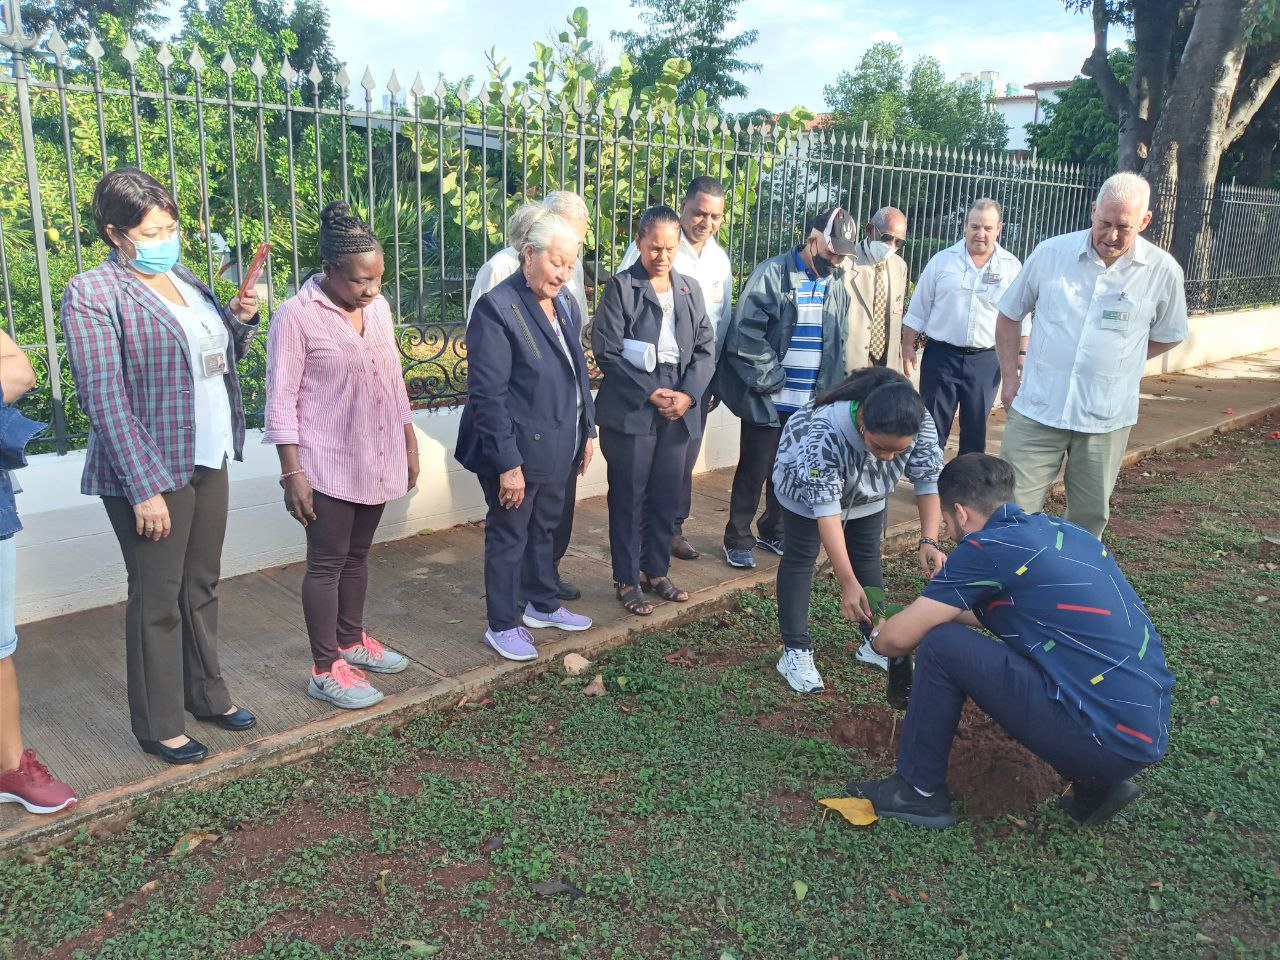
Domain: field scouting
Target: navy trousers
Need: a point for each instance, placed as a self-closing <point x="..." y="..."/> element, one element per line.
<point x="644" y="493"/>
<point x="564" y="529"/>
<point x="519" y="551"/>
<point x="690" y="460"/>
<point x="951" y="377"/>
<point x="955" y="662"/>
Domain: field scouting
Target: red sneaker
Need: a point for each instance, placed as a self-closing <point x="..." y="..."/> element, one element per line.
<point x="32" y="785"/>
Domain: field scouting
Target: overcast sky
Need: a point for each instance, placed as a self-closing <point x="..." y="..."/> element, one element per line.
<point x="801" y="46"/>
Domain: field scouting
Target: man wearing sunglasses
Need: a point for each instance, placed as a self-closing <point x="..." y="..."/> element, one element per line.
<point x="877" y="282"/>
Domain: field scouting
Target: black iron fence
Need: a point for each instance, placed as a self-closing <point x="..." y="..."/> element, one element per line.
<point x="252" y="151"/>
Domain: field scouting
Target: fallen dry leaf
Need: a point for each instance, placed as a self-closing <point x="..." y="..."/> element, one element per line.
<point x="856" y="810"/>
<point x="595" y="688"/>
<point x="189" y="841"/>
<point x="575" y="663"/>
<point x="897" y="895"/>
<point x="536" y="697"/>
<point x="466" y="698"/>
<point x="557" y="888"/>
<point x="684" y="657"/>
<point x="147" y="887"/>
<point x="381" y="883"/>
<point x="453" y="621"/>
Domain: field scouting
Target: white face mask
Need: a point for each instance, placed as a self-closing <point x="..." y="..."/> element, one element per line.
<point x="879" y="250"/>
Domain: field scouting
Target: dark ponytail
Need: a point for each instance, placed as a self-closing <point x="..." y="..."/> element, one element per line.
<point x="889" y="403"/>
<point x="343" y="236"/>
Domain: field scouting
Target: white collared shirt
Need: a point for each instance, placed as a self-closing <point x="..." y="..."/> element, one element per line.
<point x="956" y="301"/>
<point x="506" y="262"/>
<point x="1088" y="345"/>
<point x="712" y="272"/>
<point x="205" y="329"/>
<point x="668" y="345"/>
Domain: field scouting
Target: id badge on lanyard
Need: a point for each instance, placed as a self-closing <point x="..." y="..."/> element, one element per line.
<point x="213" y="352"/>
<point x="1115" y="314"/>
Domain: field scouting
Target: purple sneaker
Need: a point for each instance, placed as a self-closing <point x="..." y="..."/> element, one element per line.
<point x="514" y="644"/>
<point x="560" y="617"/>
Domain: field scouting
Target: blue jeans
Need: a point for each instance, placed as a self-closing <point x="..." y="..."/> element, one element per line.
<point x="8" y="596"/>
<point x="955" y="662"/>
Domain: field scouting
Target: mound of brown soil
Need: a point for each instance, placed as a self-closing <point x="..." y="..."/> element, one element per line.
<point x="995" y="774"/>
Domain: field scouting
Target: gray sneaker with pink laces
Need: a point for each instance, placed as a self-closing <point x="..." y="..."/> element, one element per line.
<point x="370" y="655"/>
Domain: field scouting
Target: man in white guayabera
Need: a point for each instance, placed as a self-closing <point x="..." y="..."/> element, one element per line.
<point x="1105" y="302"/>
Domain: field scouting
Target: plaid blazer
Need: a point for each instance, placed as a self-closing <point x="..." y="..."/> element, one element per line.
<point x="132" y="369"/>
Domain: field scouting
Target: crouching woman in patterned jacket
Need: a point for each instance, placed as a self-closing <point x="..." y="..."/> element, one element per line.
<point x="839" y="458"/>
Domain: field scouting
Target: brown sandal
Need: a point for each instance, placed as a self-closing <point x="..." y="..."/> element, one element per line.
<point x="664" y="588"/>
<point x="633" y="600"/>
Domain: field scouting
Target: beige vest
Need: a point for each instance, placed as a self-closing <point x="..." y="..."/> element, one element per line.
<point x="860" y="280"/>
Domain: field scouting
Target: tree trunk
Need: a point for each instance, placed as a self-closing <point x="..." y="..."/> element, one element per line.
<point x="1259" y="146"/>
<point x="1154" y="22"/>
<point x="1188" y="140"/>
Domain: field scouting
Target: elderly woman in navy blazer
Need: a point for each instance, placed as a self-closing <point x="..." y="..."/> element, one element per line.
<point x="655" y="345"/>
<point x="154" y="356"/>
<point x="529" y="421"/>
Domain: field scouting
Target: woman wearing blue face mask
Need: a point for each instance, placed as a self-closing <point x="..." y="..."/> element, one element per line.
<point x="154" y="356"/>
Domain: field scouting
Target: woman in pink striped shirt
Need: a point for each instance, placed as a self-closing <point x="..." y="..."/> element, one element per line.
<point x="338" y="414"/>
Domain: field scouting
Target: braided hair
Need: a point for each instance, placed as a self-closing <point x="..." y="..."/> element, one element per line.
<point x="342" y="235"/>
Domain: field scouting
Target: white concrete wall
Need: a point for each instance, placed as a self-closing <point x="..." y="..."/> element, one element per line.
<point x="1214" y="337"/>
<point x="68" y="558"/>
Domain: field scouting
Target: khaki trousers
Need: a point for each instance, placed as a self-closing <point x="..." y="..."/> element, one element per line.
<point x="171" y="618"/>
<point x="1093" y="460"/>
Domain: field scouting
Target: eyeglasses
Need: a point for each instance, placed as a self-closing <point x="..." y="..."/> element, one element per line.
<point x="893" y="241"/>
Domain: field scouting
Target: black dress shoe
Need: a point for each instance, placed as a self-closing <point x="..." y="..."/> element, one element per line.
<point x="193" y="751"/>
<point x="566" y="590"/>
<point x="682" y="549"/>
<point x="242" y="719"/>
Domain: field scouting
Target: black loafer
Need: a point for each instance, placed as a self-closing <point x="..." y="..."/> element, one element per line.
<point x="242" y="719"/>
<point x="566" y="590"/>
<point x="1091" y="802"/>
<point x="193" y="751"/>
<point x="682" y="549"/>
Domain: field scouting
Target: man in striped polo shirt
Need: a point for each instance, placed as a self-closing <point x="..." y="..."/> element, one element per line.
<point x="785" y="343"/>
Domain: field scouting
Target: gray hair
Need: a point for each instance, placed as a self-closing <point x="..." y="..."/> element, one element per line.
<point x="567" y="204"/>
<point x="544" y="227"/>
<point x="519" y="223"/>
<point x="1126" y="189"/>
<point x="985" y="203"/>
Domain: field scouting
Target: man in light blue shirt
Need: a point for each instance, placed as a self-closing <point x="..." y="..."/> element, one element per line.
<point x="1105" y="302"/>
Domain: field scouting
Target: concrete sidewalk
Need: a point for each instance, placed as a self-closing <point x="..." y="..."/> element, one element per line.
<point x="426" y="600"/>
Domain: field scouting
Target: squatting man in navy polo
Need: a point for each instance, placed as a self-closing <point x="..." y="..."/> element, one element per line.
<point x="1077" y="676"/>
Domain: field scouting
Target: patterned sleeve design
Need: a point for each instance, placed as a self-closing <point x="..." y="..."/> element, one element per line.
<point x="924" y="465"/>
<point x="811" y="464"/>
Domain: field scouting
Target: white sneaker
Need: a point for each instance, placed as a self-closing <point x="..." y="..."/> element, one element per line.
<point x="796" y="667"/>
<point x="867" y="655"/>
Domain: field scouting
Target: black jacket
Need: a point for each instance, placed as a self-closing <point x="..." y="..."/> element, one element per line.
<point x="629" y="309"/>
<point x="522" y="391"/>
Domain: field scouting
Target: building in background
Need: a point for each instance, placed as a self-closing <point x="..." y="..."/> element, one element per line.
<point x="1018" y="105"/>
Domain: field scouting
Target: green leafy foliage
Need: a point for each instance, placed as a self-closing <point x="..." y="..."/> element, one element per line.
<point x="919" y="105"/>
<point x="693" y="34"/>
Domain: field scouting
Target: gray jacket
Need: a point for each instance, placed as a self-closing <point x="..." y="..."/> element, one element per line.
<point x="750" y="370"/>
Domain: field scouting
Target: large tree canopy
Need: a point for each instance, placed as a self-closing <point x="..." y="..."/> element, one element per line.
<point x="696" y="31"/>
<point x="1204" y="74"/>
<point x="919" y="104"/>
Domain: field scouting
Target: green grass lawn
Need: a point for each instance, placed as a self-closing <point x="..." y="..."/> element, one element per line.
<point x="674" y="817"/>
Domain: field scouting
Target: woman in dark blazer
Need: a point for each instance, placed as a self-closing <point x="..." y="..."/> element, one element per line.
<point x="528" y="422"/>
<point x="655" y="345"/>
<point x="154" y="356"/>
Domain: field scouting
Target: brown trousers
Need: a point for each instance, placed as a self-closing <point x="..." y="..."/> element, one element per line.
<point x="171" y="618"/>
